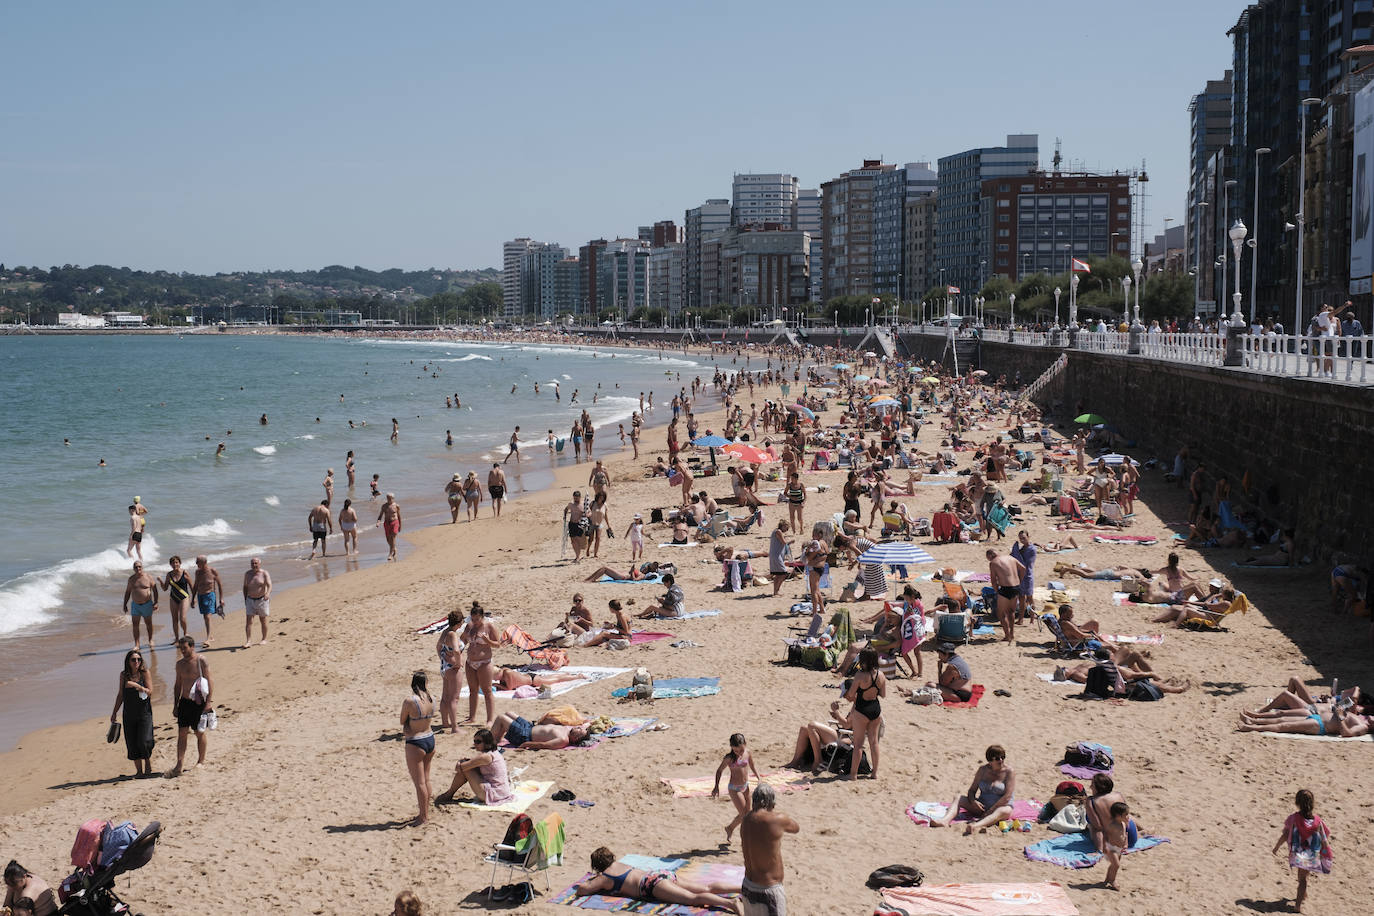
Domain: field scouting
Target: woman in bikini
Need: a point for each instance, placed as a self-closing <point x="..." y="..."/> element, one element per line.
<point x="599" y="516"/>
<point x="481" y="637"/>
<point x="663" y="886"/>
<point x="508" y="678"/>
<point x="177" y="584"/>
<point x="990" y="795"/>
<point x="865" y="692"/>
<point x="451" y="670"/>
<point x="348" y="525"/>
<point x="416" y="712"/>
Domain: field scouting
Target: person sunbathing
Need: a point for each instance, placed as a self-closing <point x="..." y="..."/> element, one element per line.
<point x="634" y="574"/>
<point x="1105" y="573"/>
<point x="1132" y="664"/>
<point x="1058" y="546"/>
<point x="536" y="736"/>
<point x="1089" y="630"/>
<point x="680" y="531"/>
<point x="1284" y="554"/>
<point x="1296" y="698"/>
<point x="579" y="617"/>
<point x="1211" y="610"/>
<point x="508" y="678"/>
<point x="1336" y="724"/>
<point x="908" y="489"/>
<point x="663" y="886"/>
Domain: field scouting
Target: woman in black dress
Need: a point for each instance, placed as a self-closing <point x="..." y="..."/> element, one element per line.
<point x="135" y="685"/>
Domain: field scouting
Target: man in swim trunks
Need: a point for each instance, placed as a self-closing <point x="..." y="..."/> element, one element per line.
<point x="208" y="592"/>
<point x="514" y="444"/>
<point x="321" y="526"/>
<point x="575" y="518"/>
<point x="496" y="487"/>
<point x="142" y="588"/>
<point x="390" y="517"/>
<point x="524" y="734"/>
<point x="136" y="526"/>
<point x="760" y="836"/>
<point x="257" y="589"/>
<point x="1006" y="573"/>
<point x="191" y="697"/>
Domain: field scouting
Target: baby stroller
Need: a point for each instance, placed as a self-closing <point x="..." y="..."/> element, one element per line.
<point x="103" y="852"/>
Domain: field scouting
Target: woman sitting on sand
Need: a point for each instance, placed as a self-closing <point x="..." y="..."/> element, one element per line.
<point x="619" y="629"/>
<point x="485" y="773"/>
<point x="1283" y="554"/>
<point x="663" y="886"/>
<point x="989" y="796"/>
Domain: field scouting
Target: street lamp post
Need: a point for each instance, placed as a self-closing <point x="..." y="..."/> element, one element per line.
<point x="1126" y="288"/>
<point x="1302" y="208"/>
<point x="1254" y="238"/>
<point x="1237" y="233"/>
<point x="1138" y="266"/>
<point x="1057" y="292"/>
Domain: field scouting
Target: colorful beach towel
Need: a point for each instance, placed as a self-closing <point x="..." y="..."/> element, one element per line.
<point x="922" y="813"/>
<point x="699" y="872"/>
<point x="527" y="792"/>
<point x="650" y="579"/>
<point x="586" y="674"/>
<point x="1076" y="850"/>
<point x="639" y="636"/>
<point x="975" y="694"/>
<point x="554" y="658"/>
<point x="620" y="728"/>
<point x="1140" y="540"/>
<point x="700" y="786"/>
<point x="678" y="687"/>
<point x="1044" y="899"/>
<point x="1156" y="639"/>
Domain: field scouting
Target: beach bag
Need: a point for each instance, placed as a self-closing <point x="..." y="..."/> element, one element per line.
<point x="642" y="685"/>
<point x="927" y="696"/>
<point x="201" y="688"/>
<point x="896" y="876"/>
<point x="87" y="846"/>
<point x="839" y="757"/>
<point x="1098" y="684"/>
<point x="1083" y="754"/>
<point x="656" y="516"/>
<point x="1072" y="818"/>
<point x="114" y="839"/>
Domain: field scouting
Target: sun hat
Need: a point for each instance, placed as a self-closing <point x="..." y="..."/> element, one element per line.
<point x="947" y="648"/>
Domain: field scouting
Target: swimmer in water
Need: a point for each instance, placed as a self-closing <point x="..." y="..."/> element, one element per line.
<point x="448" y="437"/>
<point x="262" y="420"/>
<point x="218" y="452"/>
<point x="512" y="388"/>
<point x="67" y="442"/>
<point x="102" y="461"/>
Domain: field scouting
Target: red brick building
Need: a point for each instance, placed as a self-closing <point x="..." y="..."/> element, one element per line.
<point x="1037" y="222"/>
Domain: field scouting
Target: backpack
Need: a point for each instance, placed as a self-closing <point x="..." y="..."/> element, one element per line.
<point x="114" y="839"/>
<point x="839" y="757"/>
<point x="656" y="516"/>
<point x="1099" y="684"/>
<point x="896" y="876"/>
<point x="86" y="849"/>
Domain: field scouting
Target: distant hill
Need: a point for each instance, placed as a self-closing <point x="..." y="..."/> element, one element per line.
<point x="99" y="288"/>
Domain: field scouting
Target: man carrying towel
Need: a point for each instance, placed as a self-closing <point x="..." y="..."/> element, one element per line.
<point x="761" y="833"/>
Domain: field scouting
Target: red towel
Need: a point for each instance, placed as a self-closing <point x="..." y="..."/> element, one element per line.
<point x="977" y="694"/>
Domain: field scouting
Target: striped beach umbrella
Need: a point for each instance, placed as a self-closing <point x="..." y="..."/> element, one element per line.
<point x="897" y="553"/>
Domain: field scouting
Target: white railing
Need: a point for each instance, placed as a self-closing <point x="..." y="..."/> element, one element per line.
<point x="1198" y="348"/>
<point x="1055" y="369"/>
<point x="1345" y="358"/>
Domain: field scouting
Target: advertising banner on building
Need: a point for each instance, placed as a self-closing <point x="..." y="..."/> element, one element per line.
<point x="1361" y="228"/>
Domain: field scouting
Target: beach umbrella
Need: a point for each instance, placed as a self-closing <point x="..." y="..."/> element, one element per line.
<point x="1089" y="418"/>
<point x="896" y="553"/>
<point x="861" y="378"/>
<point x="979" y="372"/>
<point x="746" y="452"/>
<point x="884" y="403"/>
<point x="803" y="410"/>
<point x="710" y="442"/>
<point x="913" y="369"/>
<point x="931" y="382"/>
<point x="1115" y="459"/>
<point x="841" y="366"/>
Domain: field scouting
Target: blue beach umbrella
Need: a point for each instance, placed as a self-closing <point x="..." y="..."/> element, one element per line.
<point x="862" y="378"/>
<point x="841" y="366"/>
<point x="803" y="410"/>
<point x="712" y="443"/>
<point x="895" y="554"/>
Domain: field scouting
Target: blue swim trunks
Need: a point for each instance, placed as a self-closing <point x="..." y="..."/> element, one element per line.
<point x="519" y="731"/>
<point x="141" y="610"/>
<point x="207" y="603"/>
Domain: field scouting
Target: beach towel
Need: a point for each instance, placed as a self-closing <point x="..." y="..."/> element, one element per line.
<point x="980" y="900"/>
<point x="1142" y="540"/>
<point x="517" y="637"/>
<point x="1156" y="639"/>
<point x="1076" y="850"/>
<point x="1124" y="598"/>
<point x="527" y="792"/>
<point x="976" y="691"/>
<point x="434" y="627"/>
<point x="678" y="687"/>
<point x="639" y="636"/>
<point x="620" y="728"/>
<point x="1366" y="738"/>
<point x="700" y="872"/>
<point x="985" y="629"/>
<point x="1049" y="679"/>
<point x="700" y="786"/>
<point x="650" y="579"/>
<point x="1078" y="772"/>
<point x="922" y="813"/>
<point x="688" y="544"/>
<point x="1270" y="568"/>
<point x="586" y="674"/>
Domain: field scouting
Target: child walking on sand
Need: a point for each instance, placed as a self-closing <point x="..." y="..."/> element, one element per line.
<point x="635" y="535"/>
<point x="1309" y="843"/>
<point x="1114" y="841"/>
<point x="740" y="763"/>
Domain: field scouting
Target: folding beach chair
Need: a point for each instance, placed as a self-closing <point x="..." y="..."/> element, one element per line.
<point x="554" y="658"/>
<point x="960" y="594"/>
<point x="954" y="627"/>
<point x="1212" y="620"/>
<point x="1063" y="646"/>
<point x="1068" y="506"/>
<point x="540" y="846"/>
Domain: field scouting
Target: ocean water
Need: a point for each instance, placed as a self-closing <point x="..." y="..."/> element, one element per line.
<point x="155" y="407"/>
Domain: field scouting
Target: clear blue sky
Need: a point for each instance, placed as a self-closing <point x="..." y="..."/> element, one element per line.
<point x="217" y="137"/>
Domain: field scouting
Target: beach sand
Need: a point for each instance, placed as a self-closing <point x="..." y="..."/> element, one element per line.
<point x="301" y="805"/>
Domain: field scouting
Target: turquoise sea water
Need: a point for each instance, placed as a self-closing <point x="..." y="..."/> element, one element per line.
<point x="155" y="408"/>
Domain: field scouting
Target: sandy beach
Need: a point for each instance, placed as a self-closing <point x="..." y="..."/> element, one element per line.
<point x="302" y="804"/>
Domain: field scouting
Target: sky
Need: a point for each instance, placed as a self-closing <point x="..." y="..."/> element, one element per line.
<point x="258" y="136"/>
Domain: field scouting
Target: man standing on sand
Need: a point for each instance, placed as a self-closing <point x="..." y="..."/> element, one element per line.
<point x="1006" y="573"/>
<point x="496" y="486"/>
<point x="321" y="526"/>
<point x="514" y="446"/>
<point x="192" y="696"/>
<point x="136" y="525"/>
<point x="760" y="835"/>
<point x="257" y="589"/>
<point x="575" y="518"/>
<point x="208" y="591"/>
<point x="390" y="517"/>
<point x="142" y="588"/>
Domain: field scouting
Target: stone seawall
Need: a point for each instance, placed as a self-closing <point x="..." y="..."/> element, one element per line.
<point x="1304" y="443"/>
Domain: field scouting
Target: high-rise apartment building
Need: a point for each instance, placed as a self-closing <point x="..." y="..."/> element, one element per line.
<point x="699" y="225"/>
<point x="665" y="278"/>
<point x="567" y="287"/>
<point x="961" y="241"/>
<point x="623" y="276"/>
<point x="919" y="243"/>
<point x="1039" y="222"/>
<point x="847" y="223"/>
<point x="809" y="220"/>
<point x="589" y="257"/>
<point x="537" y="288"/>
<point x="764" y="266"/>
<point x="763" y="198"/>
<point x="1209" y="132"/>
<point x="891" y="192"/>
<point x="1283" y="51"/>
<point x="512" y="278"/>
